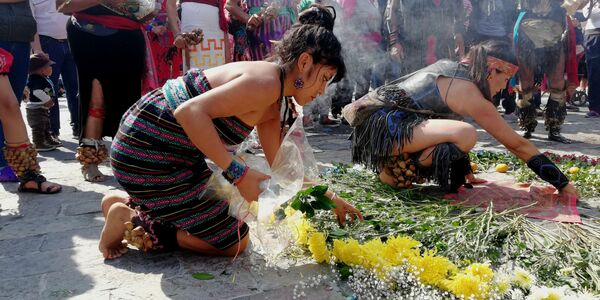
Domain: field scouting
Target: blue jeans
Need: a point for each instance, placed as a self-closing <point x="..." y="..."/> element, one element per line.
<point x="592" y="57"/>
<point x="64" y="66"/>
<point x="17" y="77"/>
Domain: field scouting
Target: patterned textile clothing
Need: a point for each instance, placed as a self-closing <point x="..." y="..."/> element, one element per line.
<point x="6" y="60"/>
<point x="162" y="170"/>
<point x="272" y="28"/>
<point x="167" y="58"/>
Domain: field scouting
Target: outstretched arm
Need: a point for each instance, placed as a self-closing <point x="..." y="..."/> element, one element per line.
<point x="486" y="115"/>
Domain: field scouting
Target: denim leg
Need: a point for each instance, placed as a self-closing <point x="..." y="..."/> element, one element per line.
<point x="69" y="77"/>
<point x="53" y="48"/>
<point x="17" y="77"/>
<point x="592" y="57"/>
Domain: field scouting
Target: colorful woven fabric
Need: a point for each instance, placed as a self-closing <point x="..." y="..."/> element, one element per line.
<point x="6" y="60"/>
<point x="164" y="173"/>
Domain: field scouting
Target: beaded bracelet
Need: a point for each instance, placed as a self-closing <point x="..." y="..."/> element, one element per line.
<point x="235" y="172"/>
<point x="548" y="171"/>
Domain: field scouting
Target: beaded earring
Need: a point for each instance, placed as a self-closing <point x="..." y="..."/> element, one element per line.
<point x="299" y="83"/>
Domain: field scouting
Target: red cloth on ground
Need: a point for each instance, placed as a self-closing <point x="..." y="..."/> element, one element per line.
<point x="540" y="202"/>
<point x="6" y="60"/>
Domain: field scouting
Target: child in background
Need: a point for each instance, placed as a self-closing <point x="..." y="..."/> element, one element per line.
<point x="40" y="101"/>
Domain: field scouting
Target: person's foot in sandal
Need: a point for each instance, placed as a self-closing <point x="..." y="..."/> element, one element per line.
<point x="39" y="185"/>
<point x="92" y="174"/>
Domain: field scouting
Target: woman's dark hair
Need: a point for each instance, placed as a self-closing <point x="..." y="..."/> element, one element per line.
<point x="319" y="15"/>
<point x="313" y="33"/>
<point x="478" y="68"/>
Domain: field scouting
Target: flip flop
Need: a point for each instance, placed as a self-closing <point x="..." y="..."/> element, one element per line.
<point x="39" y="179"/>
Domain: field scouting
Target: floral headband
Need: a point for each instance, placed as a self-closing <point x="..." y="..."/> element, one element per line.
<point x="498" y="64"/>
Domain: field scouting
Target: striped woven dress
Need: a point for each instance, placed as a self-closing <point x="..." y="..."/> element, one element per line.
<point x="163" y="172"/>
<point x="259" y="41"/>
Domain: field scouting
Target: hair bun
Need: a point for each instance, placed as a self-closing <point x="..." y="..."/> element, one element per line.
<point x="319" y="15"/>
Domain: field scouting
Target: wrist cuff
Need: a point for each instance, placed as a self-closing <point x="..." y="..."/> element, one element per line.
<point x="548" y="171"/>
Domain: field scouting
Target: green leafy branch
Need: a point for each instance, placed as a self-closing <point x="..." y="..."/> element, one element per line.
<point x="311" y="199"/>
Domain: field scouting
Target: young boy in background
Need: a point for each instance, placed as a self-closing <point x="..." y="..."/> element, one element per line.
<point x="40" y="101"/>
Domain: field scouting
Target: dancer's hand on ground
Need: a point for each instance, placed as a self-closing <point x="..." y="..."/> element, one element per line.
<point x="342" y="208"/>
<point x="249" y="186"/>
<point x="569" y="191"/>
<point x="474" y="180"/>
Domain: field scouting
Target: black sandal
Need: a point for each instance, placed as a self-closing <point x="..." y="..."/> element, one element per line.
<point x="39" y="179"/>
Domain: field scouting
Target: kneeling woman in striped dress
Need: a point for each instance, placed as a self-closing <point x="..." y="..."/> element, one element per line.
<point x="158" y="155"/>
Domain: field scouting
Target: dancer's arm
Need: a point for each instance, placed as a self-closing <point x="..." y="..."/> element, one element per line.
<point x="233" y="98"/>
<point x="485" y="114"/>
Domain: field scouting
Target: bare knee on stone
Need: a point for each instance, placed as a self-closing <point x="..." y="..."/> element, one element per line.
<point x="109" y="200"/>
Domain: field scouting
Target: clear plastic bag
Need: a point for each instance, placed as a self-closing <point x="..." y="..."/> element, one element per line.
<point x="293" y="169"/>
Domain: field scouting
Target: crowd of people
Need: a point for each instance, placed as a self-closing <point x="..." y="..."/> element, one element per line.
<point x="174" y="83"/>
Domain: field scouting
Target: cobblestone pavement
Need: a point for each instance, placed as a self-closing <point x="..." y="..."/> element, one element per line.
<point x="48" y="243"/>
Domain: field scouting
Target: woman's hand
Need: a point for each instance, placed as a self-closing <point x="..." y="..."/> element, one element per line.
<point x="249" y="186"/>
<point x="253" y="22"/>
<point x="342" y="208"/>
<point x="397" y="52"/>
<point x="179" y="41"/>
<point x="474" y="180"/>
<point x="569" y="191"/>
<point x="159" y="29"/>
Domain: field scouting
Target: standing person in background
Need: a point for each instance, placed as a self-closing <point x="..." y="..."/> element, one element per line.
<point x="360" y="35"/>
<point x="42" y="97"/>
<point x="52" y="40"/>
<point x="108" y="46"/>
<point x="208" y="16"/>
<point x="167" y="57"/>
<point x="237" y="29"/>
<point x="18" y="28"/>
<point x="592" y="57"/>
<point x="541" y="35"/>
<point x="422" y="31"/>
<point x="494" y="20"/>
<point x="19" y="152"/>
<point x="265" y="22"/>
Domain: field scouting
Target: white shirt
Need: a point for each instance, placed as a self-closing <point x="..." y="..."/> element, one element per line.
<point x="594" y="20"/>
<point x="49" y="21"/>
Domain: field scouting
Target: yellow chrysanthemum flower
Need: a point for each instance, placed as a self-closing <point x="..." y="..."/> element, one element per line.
<point x="318" y="247"/>
<point x="348" y="252"/>
<point x="431" y="269"/>
<point x="523" y="279"/>
<point x="372" y="253"/>
<point x="483" y="271"/>
<point x="399" y="248"/>
<point x="467" y="286"/>
<point x="303" y="229"/>
<point x="289" y="211"/>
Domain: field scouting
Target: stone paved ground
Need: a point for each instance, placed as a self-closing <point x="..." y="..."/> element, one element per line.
<point x="48" y="244"/>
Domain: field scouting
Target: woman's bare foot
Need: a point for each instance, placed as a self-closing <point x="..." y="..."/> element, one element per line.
<point x="111" y="239"/>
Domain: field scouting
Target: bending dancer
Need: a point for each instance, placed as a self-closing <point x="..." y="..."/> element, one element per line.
<point x="411" y="130"/>
<point x="158" y="155"/>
